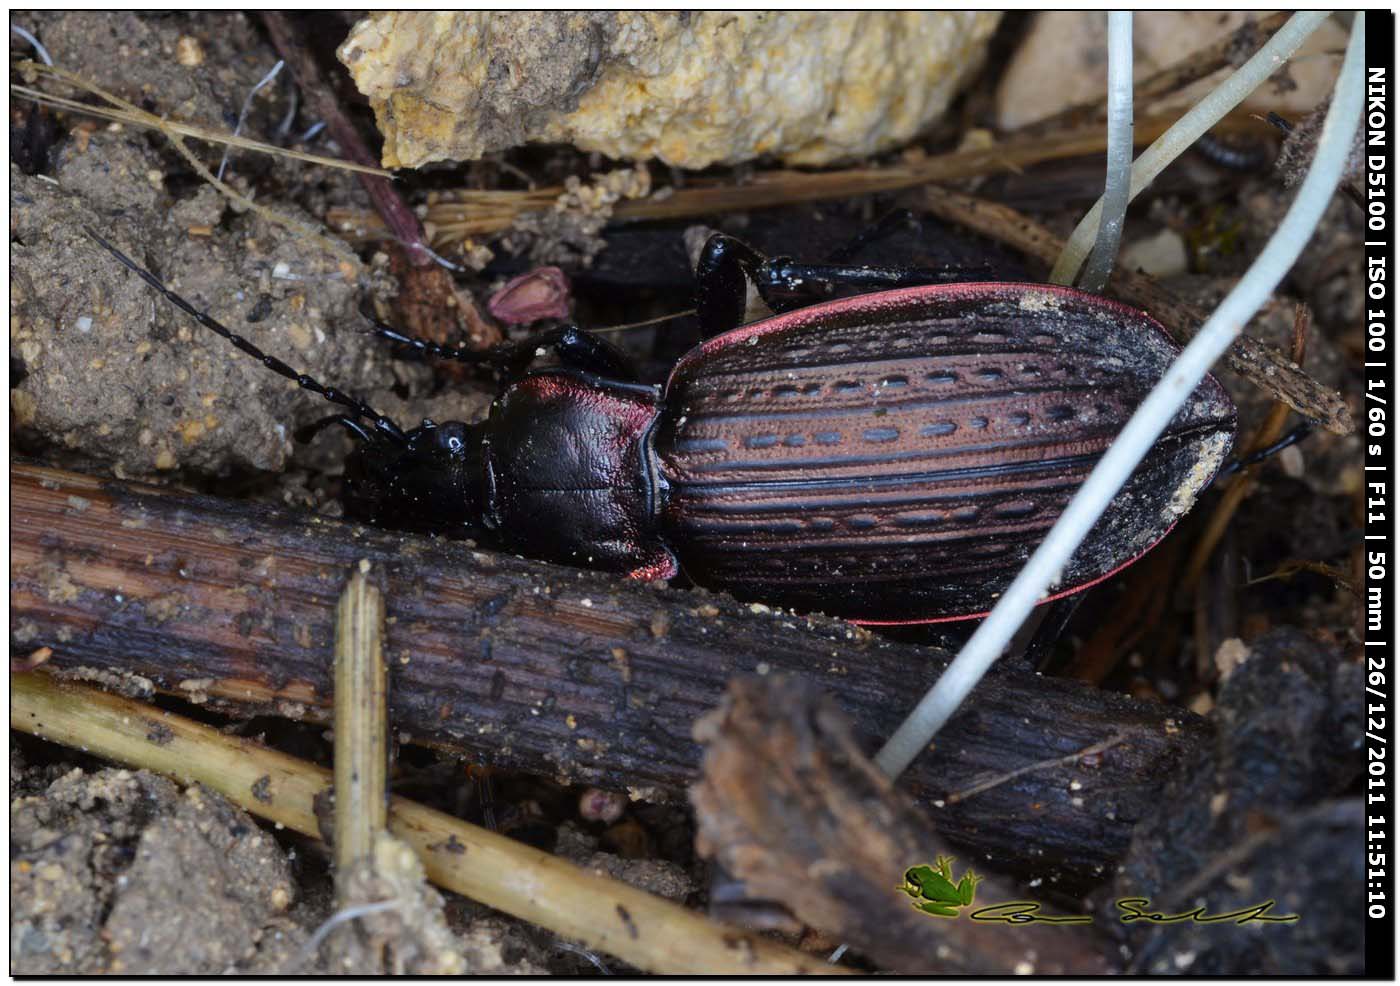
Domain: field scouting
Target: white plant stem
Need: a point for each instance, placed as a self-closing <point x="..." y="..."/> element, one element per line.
<point x="39" y="49"/>
<point x="1186" y="131"/>
<point x="1119" y="169"/>
<point x="1143" y="429"/>
<point x="243" y="113"/>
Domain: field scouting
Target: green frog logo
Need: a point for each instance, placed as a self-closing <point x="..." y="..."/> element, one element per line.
<point x="933" y="890"/>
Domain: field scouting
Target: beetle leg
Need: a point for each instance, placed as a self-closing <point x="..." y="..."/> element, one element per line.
<point x="722" y="277"/>
<point x="727" y="266"/>
<point x="575" y="348"/>
<point x="1293" y="437"/>
<point x="426" y="346"/>
<point x="786" y="284"/>
<point x="1043" y="631"/>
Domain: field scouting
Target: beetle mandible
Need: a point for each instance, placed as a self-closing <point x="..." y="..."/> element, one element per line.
<point x="891" y="457"/>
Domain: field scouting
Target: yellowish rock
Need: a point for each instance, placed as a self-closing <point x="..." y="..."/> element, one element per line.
<point x="693" y="89"/>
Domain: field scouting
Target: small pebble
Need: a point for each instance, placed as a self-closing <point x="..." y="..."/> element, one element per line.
<point x="1291" y="461"/>
<point x="189" y="52"/>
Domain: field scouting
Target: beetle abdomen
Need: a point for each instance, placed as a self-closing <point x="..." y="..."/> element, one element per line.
<point x="896" y="457"/>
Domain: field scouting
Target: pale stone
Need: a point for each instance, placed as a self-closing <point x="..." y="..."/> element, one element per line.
<point x="1062" y="63"/>
<point x="692" y="89"/>
<point x="1160" y="255"/>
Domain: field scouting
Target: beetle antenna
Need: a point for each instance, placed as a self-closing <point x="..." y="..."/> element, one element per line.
<point x="382" y="424"/>
<point x="426" y="346"/>
<point x="306" y="433"/>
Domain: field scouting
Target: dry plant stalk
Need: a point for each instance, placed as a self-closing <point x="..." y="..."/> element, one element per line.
<point x="1259" y="363"/>
<point x="1147" y="591"/>
<point x="388" y="919"/>
<point x="190" y="130"/>
<point x="637" y="927"/>
<point x="399" y="219"/>
<point x="479" y="213"/>
<point x="361" y="723"/>
<point x="177" y="140"/>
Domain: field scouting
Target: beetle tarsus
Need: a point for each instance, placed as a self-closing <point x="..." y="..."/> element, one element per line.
<point x="425" y="346"/>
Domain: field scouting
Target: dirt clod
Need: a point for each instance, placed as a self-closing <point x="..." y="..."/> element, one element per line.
<point x="123" y="872"/>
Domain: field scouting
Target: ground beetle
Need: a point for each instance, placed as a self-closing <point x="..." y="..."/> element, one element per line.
<point x="891" y="457"/>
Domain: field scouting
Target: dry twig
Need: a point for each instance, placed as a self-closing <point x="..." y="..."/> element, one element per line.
<point x="648" y="932"/>
<point x="553" y="670"/>
<point x="176" y="139"/>
<point x="468" y="212"/>
<point x="426" y="303"/>
<point x="399" y="218"/>
<point x="1005" y="777"/>
<point x="193" y="130"/>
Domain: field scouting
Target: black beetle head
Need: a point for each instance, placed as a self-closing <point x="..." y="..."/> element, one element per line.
<point x="432" y="482"/>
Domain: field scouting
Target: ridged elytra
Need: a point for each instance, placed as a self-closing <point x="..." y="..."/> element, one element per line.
<point x="896" y="457"/>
